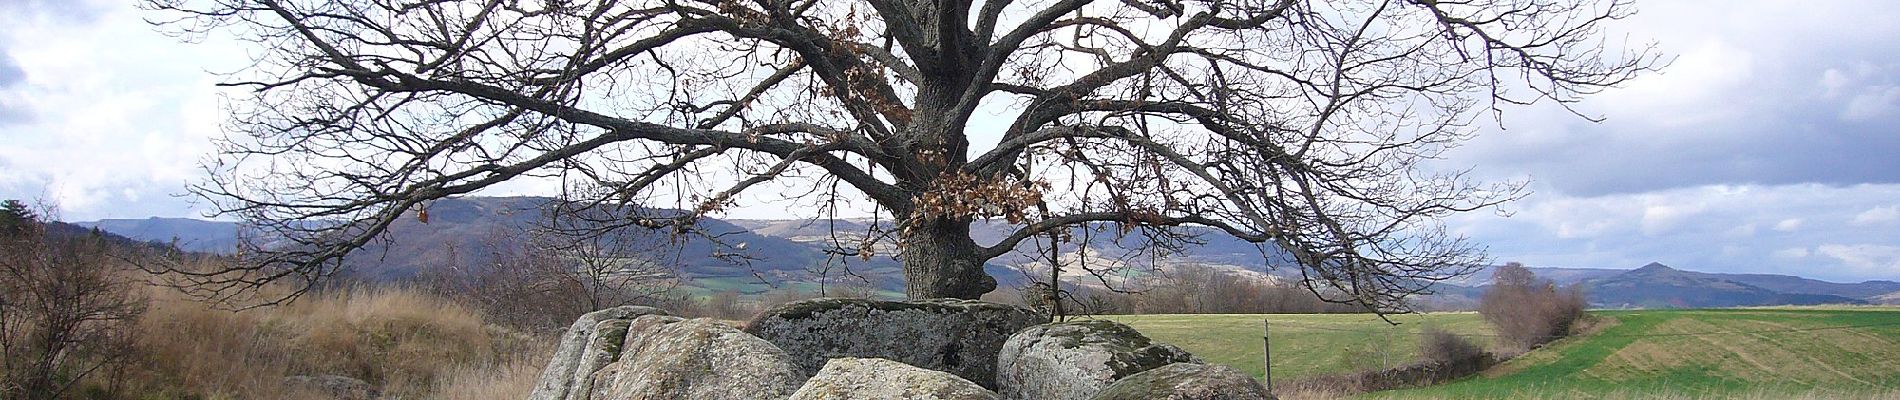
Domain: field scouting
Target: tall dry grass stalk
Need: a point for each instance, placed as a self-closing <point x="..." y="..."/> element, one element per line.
<point x="409" y="344"/>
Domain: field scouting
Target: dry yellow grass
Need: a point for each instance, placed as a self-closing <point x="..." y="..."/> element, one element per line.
<point x="409" y="344"/>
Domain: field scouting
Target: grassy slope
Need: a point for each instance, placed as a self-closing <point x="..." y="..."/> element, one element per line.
<point x="1754" y="353"/>
<point x="1672" y="353"/>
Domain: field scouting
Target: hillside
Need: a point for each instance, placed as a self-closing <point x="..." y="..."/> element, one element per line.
<point x="1659" y="286"/>
<point x="794" y="253"/>
<point x="1890" y="298"/>
<point x="196" y="235"/>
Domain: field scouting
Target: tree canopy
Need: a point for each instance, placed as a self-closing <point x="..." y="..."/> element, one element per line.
<point x="1302" y="126"/>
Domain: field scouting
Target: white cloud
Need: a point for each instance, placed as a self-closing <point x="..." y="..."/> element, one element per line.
<point x="1792" y="252"/>
<point x="1874" y="104"/>
<point x="120" y="113"/>
<point x="1742" y="228"/>
<point x="1867" y="258"/>
<point x="1661" y="218"/>
<point x="1877" y="215"/>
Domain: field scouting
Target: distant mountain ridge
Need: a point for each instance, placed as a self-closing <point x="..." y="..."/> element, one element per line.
<point x="196" y="235"/>
<point x="1659" y="286"/>
<point x="793" y="252"/>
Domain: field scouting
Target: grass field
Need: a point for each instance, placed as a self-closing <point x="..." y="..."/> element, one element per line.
<point x="1674" y="354"/>
<point x="1303" y="344"/>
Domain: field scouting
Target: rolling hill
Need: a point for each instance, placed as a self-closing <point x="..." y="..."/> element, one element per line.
<point x="194" y="235"/>
<point x="1659" y="286"/>
<point x="794" y="252"/>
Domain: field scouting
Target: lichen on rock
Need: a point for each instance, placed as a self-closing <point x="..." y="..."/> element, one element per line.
<point x="961" y="337"/>
<point x="1077" y="359"/>
<point x="1186" y="381"/>
<point x="698" y="359"/>
<point x="584" y="349"/>
<point x="879" y="379"/>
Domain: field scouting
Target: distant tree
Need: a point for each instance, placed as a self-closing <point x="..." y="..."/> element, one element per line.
<point x="1528" y="311"/>
<point x="542" y="281"/>
<point x="15" y="217"/>
<point x="1294" y="124"/>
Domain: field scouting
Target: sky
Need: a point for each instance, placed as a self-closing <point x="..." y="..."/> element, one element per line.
<point x="1771" y="144"/>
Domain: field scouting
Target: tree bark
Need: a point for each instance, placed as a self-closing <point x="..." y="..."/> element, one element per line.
<point x="941" y="260"/>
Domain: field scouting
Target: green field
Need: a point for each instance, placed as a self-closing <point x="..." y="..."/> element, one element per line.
<point x="1693" y="354"/>
<point x="1303" y="344"/>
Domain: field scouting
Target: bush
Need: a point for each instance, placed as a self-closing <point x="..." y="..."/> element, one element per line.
<point x="1440" y="345"/>
<point x="1528" y="311"/>
<point x="66" y="306"/>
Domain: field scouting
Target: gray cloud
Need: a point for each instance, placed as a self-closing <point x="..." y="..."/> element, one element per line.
<point x="1812" y="98"/>
<point x="11" y="75"/>
<point x="27" y="13"/>
<point x="10" y="72"/>
<point x="67" y="11"/>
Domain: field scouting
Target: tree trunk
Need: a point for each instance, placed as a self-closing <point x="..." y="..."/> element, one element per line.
<point x="940" y="260"/>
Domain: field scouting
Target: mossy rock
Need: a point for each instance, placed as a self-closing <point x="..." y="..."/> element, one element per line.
<point x="699" y="359"/>
<point x="961" y="337"/>
<point x="1077" y="359"/>
<point x="880" y="379"/>
<point x="1186" y="381"/>
<point x="594" y="340"/>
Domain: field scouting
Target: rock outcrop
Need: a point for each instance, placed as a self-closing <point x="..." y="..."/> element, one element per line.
<point x="1076" y="360"/>
<point x="1186" y="381"/>
<point x="593" y="341"/>
<point x="961" y="337"/>
<point x="697" y="359"/>
<point x="880" y="379"/>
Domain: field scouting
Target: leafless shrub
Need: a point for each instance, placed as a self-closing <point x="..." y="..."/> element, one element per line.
<point x="66" y="306"/>
<point x="1440" y="345"/>
<point x="726" y="305"/>
<point x="1528" y="311"/>
<point x="1443" y="357"/>
<point x="1196" y="289"/>
<point x="541" y="282"/>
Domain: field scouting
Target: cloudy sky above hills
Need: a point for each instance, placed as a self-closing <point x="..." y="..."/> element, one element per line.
<point x="1772" y="144"/>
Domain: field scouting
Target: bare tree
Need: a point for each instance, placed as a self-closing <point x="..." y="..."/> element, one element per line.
<point x="1299" y="125"/>
<point x="542" y="280"/>
<point x="67" y="307"/>
<point x="1528" y="311"/>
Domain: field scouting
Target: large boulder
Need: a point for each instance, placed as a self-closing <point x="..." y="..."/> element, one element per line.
<point x="1186" y="381"/>
<point x="880" y="379"/>
<point x="593" y="341"/>
<point x="961" y="337"/>
<point x="698" y="359"/>
<point x="1077" y="359"/>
